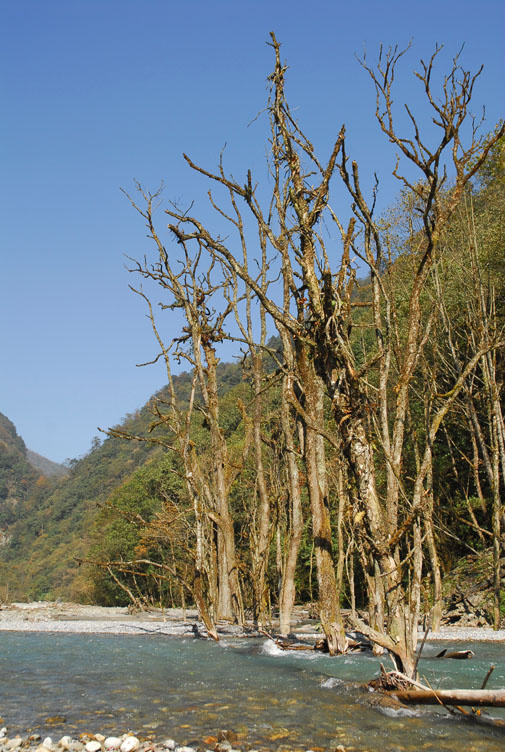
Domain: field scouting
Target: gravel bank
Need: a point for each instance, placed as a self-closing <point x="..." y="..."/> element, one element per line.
<point x="74" y="618"/>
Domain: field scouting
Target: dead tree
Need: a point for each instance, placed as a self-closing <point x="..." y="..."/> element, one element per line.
<point x="384" y="531"/>
<point x="319" y="318"/>
<point x="211" y="474"/>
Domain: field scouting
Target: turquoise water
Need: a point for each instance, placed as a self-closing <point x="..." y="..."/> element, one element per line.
<point x="189" y="689"/>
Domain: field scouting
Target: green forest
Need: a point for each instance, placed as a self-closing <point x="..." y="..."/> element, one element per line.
<point x="352" y="456"/>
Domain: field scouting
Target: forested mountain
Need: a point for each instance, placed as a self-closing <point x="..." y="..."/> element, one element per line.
<point x="17" y="474"/>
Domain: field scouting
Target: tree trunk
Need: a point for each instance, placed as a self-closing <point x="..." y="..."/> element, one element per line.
<point x="436" y="613"/>
<point x="263" y="533"/>
<point x="329" y="598"/>
<point x="230" y="596"/>
<point x="295" y="515"/>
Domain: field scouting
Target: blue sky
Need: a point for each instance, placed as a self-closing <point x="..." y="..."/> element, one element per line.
<point x="97" y="93"/>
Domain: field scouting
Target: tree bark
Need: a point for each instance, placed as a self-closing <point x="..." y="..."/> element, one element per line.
<point x="475" y="697"/>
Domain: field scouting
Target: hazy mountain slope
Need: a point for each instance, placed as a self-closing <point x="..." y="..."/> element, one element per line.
<point x="45" y="466"/>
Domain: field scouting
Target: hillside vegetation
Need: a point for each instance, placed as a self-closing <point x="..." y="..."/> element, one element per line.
<point x="49" y="522"/>
<point x="17" y="474"/>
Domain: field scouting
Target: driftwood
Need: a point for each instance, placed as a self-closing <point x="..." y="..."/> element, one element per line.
<point x="395" y="685"/>
<point x="320" y="645"/>
<point x="475" y="697"/>
<point x="491" y="669"/>
<point x="391" y="681"/>
<point x="458" y="654"/>
<point x="408" y="690"/>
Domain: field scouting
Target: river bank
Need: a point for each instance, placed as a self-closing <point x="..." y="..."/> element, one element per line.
<point x="47" y="616"/>
<point x="127" y="742"/>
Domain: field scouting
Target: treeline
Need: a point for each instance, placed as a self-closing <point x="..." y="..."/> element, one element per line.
<point x="365" y="445"/>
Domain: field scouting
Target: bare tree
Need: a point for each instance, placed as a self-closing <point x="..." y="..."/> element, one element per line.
<point x="209" y="477"/>
<point x="370" y="393"/>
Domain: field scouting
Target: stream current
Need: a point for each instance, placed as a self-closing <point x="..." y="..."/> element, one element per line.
<point x="189" y="689"/>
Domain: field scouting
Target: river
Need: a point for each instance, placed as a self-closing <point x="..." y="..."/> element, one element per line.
<point x="189" y="689"/>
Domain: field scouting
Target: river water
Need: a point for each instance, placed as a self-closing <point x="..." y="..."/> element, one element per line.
<point x="189" y="689"/>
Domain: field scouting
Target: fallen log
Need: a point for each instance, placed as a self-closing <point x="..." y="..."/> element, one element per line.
<point x="459" y="654"/>
<point x="475" y="697"/>
<point x="321" y="644"/>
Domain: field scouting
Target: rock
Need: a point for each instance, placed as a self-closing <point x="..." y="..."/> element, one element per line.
<point x="75" y="746"/>
<point x="93" y="746"/>
<point x="100" y="737"/>
<point x="44" y="748"/>
<point x="168" y="744"/>
<point x="112" y="742"/>
<point x="185" y="749"/>
<point x="281" y="733"/>
<point x="3" y="732"/>
<point x="48" y="742"/>
<point x="227" y="736"/>
<point x="55" y="720"/>
<point x="34" y="738"/>
<point x="14" y="743"/>
<point x="223" y="747"/>
<point x="64" y="742"/>
<point x="130" y="744"/>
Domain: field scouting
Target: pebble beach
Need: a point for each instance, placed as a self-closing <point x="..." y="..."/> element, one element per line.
<point x="123" y="743"/>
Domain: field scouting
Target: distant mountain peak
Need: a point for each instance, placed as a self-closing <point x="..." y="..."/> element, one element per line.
<point x="46" y="467"/>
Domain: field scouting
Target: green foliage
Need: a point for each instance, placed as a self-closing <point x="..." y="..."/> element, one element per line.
<point x="119" y="531"/>
<point x="17" y="476"/>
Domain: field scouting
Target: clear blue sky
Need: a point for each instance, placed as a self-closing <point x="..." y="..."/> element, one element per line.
<point x="96" y="93"/>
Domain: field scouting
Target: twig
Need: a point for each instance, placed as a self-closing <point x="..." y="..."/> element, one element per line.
<point x="420" y="651"/>
<point x="491" y="669"/>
